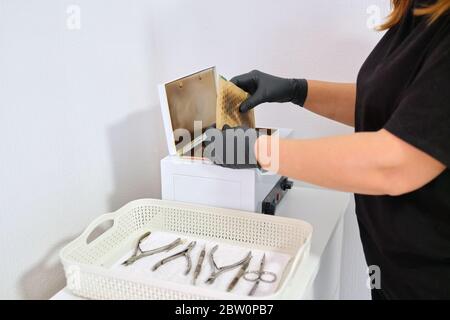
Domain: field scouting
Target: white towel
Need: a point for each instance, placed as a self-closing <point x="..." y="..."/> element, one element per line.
<point x="225" y="255"/>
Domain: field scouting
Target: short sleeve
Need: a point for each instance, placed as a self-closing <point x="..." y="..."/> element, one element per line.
<point x="422" y="117"/>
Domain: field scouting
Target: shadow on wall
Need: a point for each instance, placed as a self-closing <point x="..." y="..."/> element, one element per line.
<point x="45" y="278"/>
<point x="137" y="146"/>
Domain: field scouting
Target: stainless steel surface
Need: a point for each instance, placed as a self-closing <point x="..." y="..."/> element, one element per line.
<point x="193" y="98"/>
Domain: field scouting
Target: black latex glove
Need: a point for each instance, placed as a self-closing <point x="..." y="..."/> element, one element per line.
<point x="264" y="87"/>
<point x="239" y="141"/>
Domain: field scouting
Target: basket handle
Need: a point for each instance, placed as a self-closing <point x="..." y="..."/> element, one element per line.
<point x="96" y="223"/>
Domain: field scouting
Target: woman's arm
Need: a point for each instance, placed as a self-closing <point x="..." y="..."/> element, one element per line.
<point x="329" y="99"/>
<point x="375" y="163"/>
<point x="335" y="101"/>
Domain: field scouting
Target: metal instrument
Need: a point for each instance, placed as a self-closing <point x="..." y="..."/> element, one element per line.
<point x="139" y="253"/>
<point x="198" y="268"/>
<point x="217" y="271"/>
<point x="260" y="275"/>
<point x="184" y="253"/>
<point x="239" y="275"/>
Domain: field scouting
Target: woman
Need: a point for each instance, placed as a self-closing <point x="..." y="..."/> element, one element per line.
<point x="397" y="161"/>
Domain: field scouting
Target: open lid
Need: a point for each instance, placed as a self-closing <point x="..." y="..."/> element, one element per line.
<point x="188" y="106"/>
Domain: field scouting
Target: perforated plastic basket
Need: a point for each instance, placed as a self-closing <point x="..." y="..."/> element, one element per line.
<point x="87" y="266"/>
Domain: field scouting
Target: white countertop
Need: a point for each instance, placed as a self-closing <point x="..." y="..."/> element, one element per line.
<point x="323" y="209"/>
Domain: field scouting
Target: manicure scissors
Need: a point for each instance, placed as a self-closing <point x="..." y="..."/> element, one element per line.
<point x="260" y="275"/>
<point x="217" y="271"/>
<point x="139" y="253"/>
<point x="184" y="253"/>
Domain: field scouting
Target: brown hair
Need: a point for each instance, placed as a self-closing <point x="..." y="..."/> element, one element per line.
<point x="433" y="11"/>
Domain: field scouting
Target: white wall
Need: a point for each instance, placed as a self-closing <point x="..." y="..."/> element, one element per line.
<point x="80" y="128"/>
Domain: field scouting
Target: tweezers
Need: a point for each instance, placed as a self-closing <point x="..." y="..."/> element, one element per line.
<point x="217" y="271"/>
<point x="183" y="253"/>
<point x="139" y="253"/>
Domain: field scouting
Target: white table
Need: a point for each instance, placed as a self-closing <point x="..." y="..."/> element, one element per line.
<point x="319" y="276"/>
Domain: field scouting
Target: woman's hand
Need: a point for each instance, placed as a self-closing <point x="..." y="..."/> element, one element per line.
<point x="332" y="100"/>
<point x="264" y="87"/>
<point x="232" y="148"/>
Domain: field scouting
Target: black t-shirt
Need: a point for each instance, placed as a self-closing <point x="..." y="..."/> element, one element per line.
<point x="404" y="87"/>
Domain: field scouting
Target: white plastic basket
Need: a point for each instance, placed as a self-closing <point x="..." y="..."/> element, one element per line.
<point x="87" y="266"/>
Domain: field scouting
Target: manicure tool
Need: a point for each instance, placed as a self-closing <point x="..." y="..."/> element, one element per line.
<point x="239" y="275"/>
<point x="218" y="271"/>
<point x="184" y="253"/>
<point x="198" y="268"/>
<point x="260" y="275"/>
<point x="139" y="253"/>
